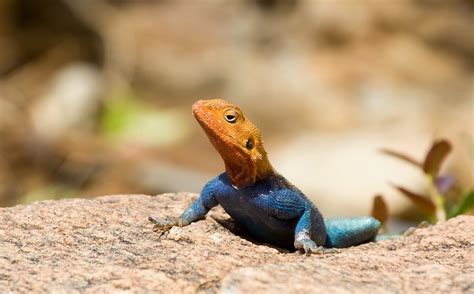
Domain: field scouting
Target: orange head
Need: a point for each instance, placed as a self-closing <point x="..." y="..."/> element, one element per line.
<point x="237" y="140"/>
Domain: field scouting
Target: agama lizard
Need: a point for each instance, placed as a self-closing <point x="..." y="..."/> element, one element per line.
<point x="259" y="199"/>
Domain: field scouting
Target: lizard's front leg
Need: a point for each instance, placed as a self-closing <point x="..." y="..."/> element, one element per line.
<point x="304" y="231"/>
<point x="196" y="211"/>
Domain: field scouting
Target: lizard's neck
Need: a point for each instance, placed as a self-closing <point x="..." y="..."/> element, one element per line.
<point x="245" y="171"/>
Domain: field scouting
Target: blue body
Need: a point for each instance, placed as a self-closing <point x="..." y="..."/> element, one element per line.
<point x="274" y="211"/>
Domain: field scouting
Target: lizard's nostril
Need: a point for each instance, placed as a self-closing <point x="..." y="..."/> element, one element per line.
<point x="197" y="105"/>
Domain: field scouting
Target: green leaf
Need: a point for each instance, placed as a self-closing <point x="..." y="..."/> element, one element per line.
<point x="435" y="157"/>
<point x="466" y="204"/>
<point x="129" y="119"/>
<point x="421" y="201"/>
<point x="401" y="156"/>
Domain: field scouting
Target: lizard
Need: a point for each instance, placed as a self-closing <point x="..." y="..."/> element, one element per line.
<point x="268" y="207"/>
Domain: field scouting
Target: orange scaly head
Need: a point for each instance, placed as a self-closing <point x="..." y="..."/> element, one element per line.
<point x="237" y="140"/>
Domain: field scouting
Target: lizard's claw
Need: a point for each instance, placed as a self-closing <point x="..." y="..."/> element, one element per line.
<point x="308" y="246"/>
<point x="163" y="225"/>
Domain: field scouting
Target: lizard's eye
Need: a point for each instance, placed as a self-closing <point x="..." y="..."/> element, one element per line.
<point x="250" y="143"/>
<point x="231" y="116"/>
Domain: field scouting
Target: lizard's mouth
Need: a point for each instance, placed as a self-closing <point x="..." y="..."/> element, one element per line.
<point x="209" y="116"/>
<point x="205" y="118"/>
<point x="212" y="125"/>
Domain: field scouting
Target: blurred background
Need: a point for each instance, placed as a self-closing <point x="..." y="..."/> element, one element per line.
<point x="95" y="96"/>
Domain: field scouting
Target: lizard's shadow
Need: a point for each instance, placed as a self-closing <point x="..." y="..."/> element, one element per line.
<point x="235" y="229"/>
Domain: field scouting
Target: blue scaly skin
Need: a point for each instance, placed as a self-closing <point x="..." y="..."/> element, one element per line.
<point x="259" y="199"/>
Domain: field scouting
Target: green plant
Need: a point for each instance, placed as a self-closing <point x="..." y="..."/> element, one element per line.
<point x="434" y="202"/>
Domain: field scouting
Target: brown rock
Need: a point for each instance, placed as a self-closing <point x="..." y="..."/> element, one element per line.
<point x="107" y="244"/>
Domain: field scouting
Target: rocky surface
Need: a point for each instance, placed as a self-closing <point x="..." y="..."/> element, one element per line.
<point x="107" y="244"/>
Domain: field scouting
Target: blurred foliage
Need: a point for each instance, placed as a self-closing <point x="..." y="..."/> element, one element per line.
<point x="380" y="212"/>
<point x="129" y="119"/>
<point x="435" y="203"/>
<point x="53" y="192"/>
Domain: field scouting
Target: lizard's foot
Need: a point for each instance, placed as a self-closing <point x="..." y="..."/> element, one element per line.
<point x="308" y="246"/>
<point x="163" y="225"/>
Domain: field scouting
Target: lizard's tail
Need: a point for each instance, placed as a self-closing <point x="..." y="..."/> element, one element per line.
<point x="346" y="232"/>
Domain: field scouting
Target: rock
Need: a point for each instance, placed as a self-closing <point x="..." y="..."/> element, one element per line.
<point x="107" y="245"/>
<point x="431" y="261"/>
